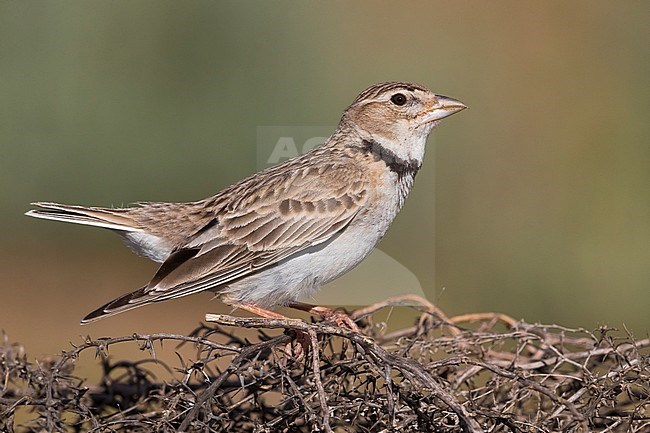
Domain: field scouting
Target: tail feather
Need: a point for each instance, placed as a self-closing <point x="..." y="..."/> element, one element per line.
<point x="114" y="219"/>
<point x="126" y="302"/>
<point x="136" y="237"/>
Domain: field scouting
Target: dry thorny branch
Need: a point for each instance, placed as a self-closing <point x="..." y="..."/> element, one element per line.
<point x="472" y="373"/>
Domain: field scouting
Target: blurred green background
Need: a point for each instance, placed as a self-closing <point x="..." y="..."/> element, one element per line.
<point x="534" y="202"/>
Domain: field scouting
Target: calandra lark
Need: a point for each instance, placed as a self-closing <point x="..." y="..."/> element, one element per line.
<point x="282" y="233"/>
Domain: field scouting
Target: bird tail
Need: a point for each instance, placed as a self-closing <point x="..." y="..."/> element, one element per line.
<point x="131" y="300"/>
<point x="114" y="219"/>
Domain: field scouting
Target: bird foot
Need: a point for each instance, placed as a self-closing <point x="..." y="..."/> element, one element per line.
<point x="301" y="341"/>
<point x="297" y="348"/>
<point x="329" y="315"/>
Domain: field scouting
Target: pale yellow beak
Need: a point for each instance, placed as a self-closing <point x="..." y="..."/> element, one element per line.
<point x="444" y="107"/>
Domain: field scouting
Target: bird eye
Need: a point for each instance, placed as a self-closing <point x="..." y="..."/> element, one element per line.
<point x="398" y="99"/>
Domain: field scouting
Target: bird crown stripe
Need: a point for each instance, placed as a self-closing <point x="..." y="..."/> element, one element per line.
<point x="376" y="90"/>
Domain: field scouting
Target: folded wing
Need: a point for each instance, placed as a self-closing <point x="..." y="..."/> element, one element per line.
<point x="257" y="225"/>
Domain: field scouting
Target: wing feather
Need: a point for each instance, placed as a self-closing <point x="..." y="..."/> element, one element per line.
<point x="259" y="223"/>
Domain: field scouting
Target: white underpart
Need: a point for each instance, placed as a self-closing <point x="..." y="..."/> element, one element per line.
<point x="147" y="245"/>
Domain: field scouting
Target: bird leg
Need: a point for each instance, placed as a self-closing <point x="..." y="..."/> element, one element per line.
<point x="259" y="311"/>
<point x="329" y="314"/>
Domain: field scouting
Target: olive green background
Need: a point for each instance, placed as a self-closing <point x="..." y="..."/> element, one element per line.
<point x="534" y="202"/>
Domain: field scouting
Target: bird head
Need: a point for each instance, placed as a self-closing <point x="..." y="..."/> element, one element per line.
<point x="399" y="116"/>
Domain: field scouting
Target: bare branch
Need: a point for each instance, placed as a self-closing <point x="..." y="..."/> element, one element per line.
<point x="470" y="373"/>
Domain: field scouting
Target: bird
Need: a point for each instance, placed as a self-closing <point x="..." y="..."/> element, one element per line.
<point x="282" y="233"/>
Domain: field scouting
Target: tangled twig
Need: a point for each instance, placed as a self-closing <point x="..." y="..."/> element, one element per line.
<point x="470" y="373"/>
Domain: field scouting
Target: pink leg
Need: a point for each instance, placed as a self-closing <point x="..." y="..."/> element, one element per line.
<point x="259" y="311"/>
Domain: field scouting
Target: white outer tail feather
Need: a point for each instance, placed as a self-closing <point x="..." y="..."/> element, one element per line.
<point x="78" y="219"/>
<point x="78" y="215"/>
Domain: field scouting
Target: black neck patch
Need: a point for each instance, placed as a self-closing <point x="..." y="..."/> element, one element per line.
<point x="396" y="164"/>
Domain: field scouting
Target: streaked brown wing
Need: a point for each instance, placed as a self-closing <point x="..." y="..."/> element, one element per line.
<point x="256" y="228"/>
<point x="281" y="217"/>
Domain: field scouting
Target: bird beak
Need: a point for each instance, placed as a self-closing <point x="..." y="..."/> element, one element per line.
<point x="444" y="107"/>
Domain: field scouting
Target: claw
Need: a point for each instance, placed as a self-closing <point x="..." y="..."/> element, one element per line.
<point x="328" y="314"/>
<point x="297" y="348"/>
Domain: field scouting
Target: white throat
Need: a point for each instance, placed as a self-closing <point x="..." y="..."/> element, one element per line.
<point x="408" y="148"/>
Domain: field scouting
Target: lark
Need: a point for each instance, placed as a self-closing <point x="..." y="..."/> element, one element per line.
<point x="279" y="235"/>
